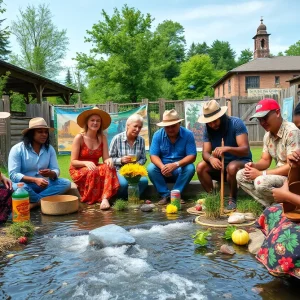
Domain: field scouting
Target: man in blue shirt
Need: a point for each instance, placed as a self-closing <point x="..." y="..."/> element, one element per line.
<point x="236" y="149"/>
<point x="33" y="161"/>
<point x="172" y="153"/>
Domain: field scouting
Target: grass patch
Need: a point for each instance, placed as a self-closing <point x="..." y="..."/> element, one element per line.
<point x="246" y="204"/>
<point x="212" y="205"/>
<point x="120" y="205"/>
<point x="19" y="229"/>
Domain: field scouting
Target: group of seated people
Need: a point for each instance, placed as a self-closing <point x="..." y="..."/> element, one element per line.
<point x="172" y="154"/>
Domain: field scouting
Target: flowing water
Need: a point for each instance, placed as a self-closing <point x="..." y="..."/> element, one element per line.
<point x="164" y="264"/>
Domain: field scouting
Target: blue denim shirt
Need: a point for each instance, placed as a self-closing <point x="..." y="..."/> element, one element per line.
<point x="26" y="162"/>
<point x="168" y="152"/>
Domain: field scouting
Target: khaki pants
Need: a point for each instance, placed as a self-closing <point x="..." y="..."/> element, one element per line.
<point x="261" y="188"/>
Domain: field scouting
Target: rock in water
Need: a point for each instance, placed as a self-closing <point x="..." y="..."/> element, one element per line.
<point x="236" y="218"/>
<point x="147" y="207"/>
<point x="256" y="240"/>
<point x="110" y="236"/>
<point x="226" y="249"/>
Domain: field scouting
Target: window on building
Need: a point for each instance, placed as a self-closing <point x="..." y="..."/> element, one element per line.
<point x="223" y="89"/>
<point x="277" y="80"/>
<point x="229" y="86"/>
<point x="252" y="82"/>
<point x="262" y="44"/>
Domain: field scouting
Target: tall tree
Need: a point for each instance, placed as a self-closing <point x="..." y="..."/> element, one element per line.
<point x="245" y="57"/>
<point x="124" y="63"/>
<point x="4" y="36"/>
<point x="172" y="45"/>
<point x="42" y="45"/>
<point x="196" y="77"/>
<point x="293" y="50"/>
<point x="222" y="56"/>
<point x="68" y="80"/>
<point x="199" y="48"/>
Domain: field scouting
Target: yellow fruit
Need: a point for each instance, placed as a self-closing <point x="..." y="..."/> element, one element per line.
<point x="240" y="237"/>
<point x="200" y="201"/>
<point x="171" y="209"/>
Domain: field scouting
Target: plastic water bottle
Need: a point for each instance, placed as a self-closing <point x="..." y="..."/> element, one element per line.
<point x="20" y="204"/>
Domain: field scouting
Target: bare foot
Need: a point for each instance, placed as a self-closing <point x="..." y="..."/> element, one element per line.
<point x="104" y="204"/>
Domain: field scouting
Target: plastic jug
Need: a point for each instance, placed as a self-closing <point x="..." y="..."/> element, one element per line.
<point x="20" y="204"/>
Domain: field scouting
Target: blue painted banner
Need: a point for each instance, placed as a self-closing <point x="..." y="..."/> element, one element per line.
<point x="66" y="127"/>
<point x="287" y="109"/>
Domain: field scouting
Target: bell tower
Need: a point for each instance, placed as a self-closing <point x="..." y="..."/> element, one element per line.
<point x="261" y="41"/>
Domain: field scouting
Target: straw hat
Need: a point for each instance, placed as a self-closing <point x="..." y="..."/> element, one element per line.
<point x="170" y="117"/>
<point x="105" y="117"/>
<point x="212" y="111"/>
<point x="37" y="123"/>
<point x="4" y="115"/>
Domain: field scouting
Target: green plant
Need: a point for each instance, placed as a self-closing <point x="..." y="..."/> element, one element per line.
<point x="200" y="237"/>
<point x="229" y="231"/>
<point x="246" y="204"/>
<point x="120" y="204"/>
<point x="212" y="205"/>
<point x="21" y="229"/>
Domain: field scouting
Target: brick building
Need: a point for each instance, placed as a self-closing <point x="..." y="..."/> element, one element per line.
<point x="262" y="73"/>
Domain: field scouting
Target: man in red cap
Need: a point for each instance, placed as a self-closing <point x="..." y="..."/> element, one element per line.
<point x="281" y="139"/>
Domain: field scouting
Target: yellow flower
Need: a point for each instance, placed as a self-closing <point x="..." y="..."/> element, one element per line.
<point x="133" y="170"/>
<point x="171" y="209"/>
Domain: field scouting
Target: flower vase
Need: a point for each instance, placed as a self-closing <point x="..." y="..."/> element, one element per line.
<point x="133" y="191"/>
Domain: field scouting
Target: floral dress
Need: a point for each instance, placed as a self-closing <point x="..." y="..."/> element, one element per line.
<point x="280" y="252"/>
<point x="102" y="183"/>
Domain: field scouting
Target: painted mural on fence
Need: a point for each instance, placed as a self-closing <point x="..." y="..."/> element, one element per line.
<point x="287" y="109"/>
<point x="193" y="110"/>
<point x="66" y="126"/>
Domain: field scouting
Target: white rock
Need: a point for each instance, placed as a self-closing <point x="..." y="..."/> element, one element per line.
<point x="256" y="240"/>
<point x="110" y="236"/>
<point x="236" y="218"/>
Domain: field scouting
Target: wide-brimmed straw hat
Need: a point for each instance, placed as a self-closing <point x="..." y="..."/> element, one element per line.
<point x="37" y="123"/>
<point x="105" y="117"/>
<point x="4" y="115"/>
<point x="170" y="117"/>
<point x="212" y="111"/>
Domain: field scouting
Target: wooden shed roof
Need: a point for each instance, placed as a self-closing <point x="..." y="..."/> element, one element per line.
<point x="29" y="83"/>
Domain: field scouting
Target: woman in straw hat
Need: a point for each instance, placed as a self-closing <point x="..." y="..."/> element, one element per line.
<point x="34" y="162"/>
<point x="236" y="149"/>
<point x="96" y="182"/>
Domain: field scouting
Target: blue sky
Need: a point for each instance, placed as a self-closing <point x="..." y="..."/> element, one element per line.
<point x="233" y="21"/>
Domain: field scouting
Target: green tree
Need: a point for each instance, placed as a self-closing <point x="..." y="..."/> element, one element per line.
<point x="125" y="62"/>
<point x="293" y="50"/>
<point x="196" y="78"/>
<point x="280" y="54"/>
<point x="199" y="48"/>
<point x="42" y="45"/>
<point x="222" y="56"/>
<point x="4" y="37"/>
<point x="245" y="57"/>
<point x="172" y="45"/>
<point x="68" y="80"/>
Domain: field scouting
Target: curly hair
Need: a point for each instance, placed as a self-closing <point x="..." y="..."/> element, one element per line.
<point x="28" y="139"/>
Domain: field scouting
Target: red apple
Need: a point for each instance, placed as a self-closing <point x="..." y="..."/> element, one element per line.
<point x="148" y="202"/>
<point x="198" y="207"/>
<point x="23" y="240"/>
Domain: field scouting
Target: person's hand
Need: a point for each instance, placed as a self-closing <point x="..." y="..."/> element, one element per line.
<point x="90" y="165"/>
<point x="294" y="158"/>
<point x="109" y="162"/>
<point x="251" y="173"/>
<point x="7" y="183"/>
<point x="219" y="151"/>
<point x="249" y="165"/>
<point x="126" y="159"/>
<point x="41" y="182"/>
<point x="215" y="163"/>
<point x="168" y="168"/>
<point x="279" y="194"/>
<point x="47" y="173"/>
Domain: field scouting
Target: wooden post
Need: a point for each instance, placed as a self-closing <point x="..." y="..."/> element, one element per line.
<point x="162" y="108"/>
<point x="228" y="102"/>
<point x="222" y="183"/>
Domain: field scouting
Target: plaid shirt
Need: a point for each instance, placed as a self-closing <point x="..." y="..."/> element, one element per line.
<point x="119" y="147"/>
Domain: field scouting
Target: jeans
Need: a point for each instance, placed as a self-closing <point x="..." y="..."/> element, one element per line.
<point x="123" y="189"/>
<point x="55" y="187"/>
<point x="181" y="177"/>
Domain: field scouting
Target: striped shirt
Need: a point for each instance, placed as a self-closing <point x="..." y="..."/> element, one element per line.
<point x="120" y="147"/>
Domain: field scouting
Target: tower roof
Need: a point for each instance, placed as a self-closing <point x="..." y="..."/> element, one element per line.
<point x="261" y="29"/>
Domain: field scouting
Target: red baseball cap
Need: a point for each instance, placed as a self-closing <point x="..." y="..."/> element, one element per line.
<point x="264" y="106"/>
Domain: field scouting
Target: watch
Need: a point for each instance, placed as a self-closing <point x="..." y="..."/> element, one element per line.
<point x="177" y="164"/>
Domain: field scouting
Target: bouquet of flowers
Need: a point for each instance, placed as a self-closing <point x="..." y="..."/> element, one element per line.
<point x="133" y="172"/>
